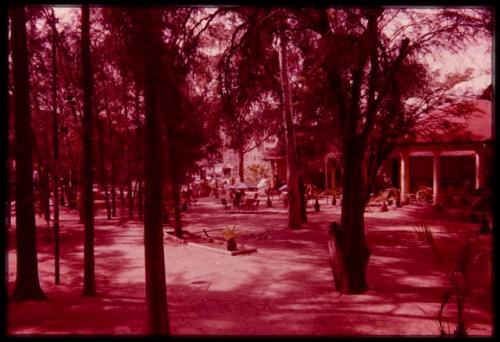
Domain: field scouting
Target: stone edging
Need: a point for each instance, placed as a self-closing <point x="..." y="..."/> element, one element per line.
<point x="237" y="252"/>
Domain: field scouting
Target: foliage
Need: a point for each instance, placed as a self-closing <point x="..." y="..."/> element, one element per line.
<point x="458" y="268"/>
<point x="230" y="233"/>
<point x="247" y="86"/>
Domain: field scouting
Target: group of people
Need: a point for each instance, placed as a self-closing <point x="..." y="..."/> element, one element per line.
<point x="238" y="198"/>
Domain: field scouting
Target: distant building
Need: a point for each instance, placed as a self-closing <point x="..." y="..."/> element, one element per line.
<point x="228" y="166"/>
<point x="449" y="163"/>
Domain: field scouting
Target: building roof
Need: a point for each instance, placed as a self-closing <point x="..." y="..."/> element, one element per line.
<point x="475" y="127"/>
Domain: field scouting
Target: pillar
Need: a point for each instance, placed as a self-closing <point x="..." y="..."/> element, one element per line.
<point x="436" y="178"/>
<point x="480" y="168"/>
<point x="404" y="170"/>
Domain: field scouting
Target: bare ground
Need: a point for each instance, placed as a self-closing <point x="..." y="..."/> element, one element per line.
<point x="285" y="288"/>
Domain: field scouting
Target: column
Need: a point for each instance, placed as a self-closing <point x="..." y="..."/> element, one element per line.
<point x="479" y="168"/>
<point x="404" y="171"/>
<point x="436" y="178"/>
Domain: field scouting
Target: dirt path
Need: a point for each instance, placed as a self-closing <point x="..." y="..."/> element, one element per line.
<point x="285" y="288"/>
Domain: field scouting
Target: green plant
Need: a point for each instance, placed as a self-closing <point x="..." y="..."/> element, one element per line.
<point x="458" y="268"/>
<point x="230" y="233"/>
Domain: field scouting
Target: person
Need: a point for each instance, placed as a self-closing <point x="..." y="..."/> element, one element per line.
<point x="237" y="199"/>
<point x="277" y="182"/>
<point x="189" y="194"/>
<point x="184" y="206"/>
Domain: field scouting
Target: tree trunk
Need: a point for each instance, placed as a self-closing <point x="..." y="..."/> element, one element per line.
<point x="149" y="34"/>
<point x="113" y="184"/>
<point x="44" y="193"/>
<point x="294" y="212"/>
<point x="8" y="192"/>
<point x="140" y="201"/>
<point x="174" y="181"/>
<point x="216" y="190"/>
<point x="303" y="202"/>
<point x="176" y="197"/>
<point x="352" y="252"/>
<point x="177" y="212"/>
<point x="81" y="204"/>
<point x="130" y="196"/>
<point x="102" y="166"/>
<point x="73" y="191"/>
<point x="27" y="285"/>
<point x="88" y="193"/>
<point x="55" y="146"/>
<point x="138" y="153"/>
<point x="122" y="201"/>
<point x="113" y="165"/>
<point x="241" y="170"/>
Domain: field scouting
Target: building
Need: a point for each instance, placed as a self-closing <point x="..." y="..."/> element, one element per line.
<point x="452" y="164"/>
<point x="230" y="158"/>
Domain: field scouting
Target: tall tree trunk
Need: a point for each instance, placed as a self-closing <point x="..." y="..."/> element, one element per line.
<point x="175" y="188"/>
<point x="73" y="191"/>
<point x="150" y="35"/>
<point x="88" y="193"/>
<point x="113" y="183"/>
<point x="44" y="193"/>
<point x="107" y="201"/>
<point x="294" y="212"/>
<point x="113" y="164"/>
<point x="216" y="190"/>
<point x="41" y="182"/>
<point x="80" y="196"/>
<point x="122" y="201"/>
<point x="55" y="143"/>
<point x="241" y="156"/>
<point x="130" y="196"/>
<point x="351" y="250"/>
<point x="140" y="202"/>
<point x="303" y="202"/>
<point x="27" y="285"/>
<point x="352" y="253"/>
<point x="8" y="186"/>
<point x="102" y="166"/>
<point x="302" y="190"/>
<point x="174" y="180"/>
<point x="138" y="153"/>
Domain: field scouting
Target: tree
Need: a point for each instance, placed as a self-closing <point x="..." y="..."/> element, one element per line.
<point x="148" y="25"/>
<point x="87" y="164"/>
<point x="55" y="144"/>
<point x="248" y="86"/>
<point x="378" y="95"/>
<point x="294" y="201"/>
<point x="27" y="285"/>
